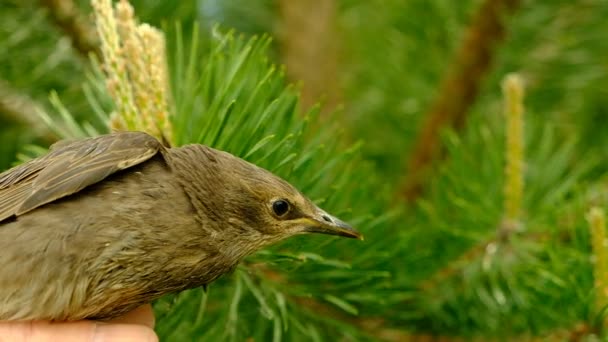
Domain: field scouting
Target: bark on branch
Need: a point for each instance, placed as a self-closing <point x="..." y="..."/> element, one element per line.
<point x="309" y="49"/>
<point x="66" y="15"/>
<point x="458" y="91"/>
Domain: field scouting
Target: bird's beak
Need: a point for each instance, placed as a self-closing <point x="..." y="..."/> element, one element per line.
<point x="327" y="224"/>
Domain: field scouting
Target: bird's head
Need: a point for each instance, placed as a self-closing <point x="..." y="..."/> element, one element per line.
<point x="272" y="208"/>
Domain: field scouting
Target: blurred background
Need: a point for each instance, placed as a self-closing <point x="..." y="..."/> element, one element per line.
<point x="406" y="112"/>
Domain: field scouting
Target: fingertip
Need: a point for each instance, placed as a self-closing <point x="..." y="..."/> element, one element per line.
<point x="123" y="333"/>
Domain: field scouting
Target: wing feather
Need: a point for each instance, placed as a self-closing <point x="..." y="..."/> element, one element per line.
<point x="70" y="167"/>
<point x="7" y="202"/>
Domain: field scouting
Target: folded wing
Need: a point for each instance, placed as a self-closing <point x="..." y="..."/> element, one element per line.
<point x="70" y="167"/>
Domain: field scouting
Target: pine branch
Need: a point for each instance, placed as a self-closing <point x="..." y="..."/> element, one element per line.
<point x="309" y="49"/>
<point x="513" y="190"/>
<point x="20" y="108"/>
<point x="67" y="17"/>
<point x="458" y="91"/>
<point x="579" y="332"/>
<point x="377" y="327"/>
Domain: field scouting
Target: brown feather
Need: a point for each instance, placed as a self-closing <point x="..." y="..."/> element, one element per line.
<point x="69" y="168"/>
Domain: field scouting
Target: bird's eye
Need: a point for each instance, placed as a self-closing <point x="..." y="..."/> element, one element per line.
<point x="280" y="207"/>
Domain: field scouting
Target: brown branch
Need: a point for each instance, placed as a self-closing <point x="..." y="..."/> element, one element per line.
<point x="458" y="91"/>
<point x="372" y="326"/>
<point x="21" y="109"/>
<point x="65" y="14"/>
<point x="381" y="330"/>
<point x="309" y="49"/>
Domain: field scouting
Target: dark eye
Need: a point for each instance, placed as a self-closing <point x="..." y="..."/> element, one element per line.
<point x="280" y="207"/>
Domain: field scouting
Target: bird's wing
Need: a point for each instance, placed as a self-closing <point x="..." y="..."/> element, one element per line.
<point x="70" y="167"/>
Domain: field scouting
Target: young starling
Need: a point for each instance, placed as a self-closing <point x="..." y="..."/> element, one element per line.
<point x="99" y="226"/>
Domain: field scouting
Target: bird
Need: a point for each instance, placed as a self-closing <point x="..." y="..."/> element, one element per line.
<point x="99" y="226"/>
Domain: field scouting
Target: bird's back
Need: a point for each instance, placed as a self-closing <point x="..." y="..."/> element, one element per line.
<point x="100" y="250"/>
<point x="70" y="167"/>
<point x="100" y="226"/>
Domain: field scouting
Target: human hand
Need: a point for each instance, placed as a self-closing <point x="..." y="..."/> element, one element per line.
<point x="135" y="326"/>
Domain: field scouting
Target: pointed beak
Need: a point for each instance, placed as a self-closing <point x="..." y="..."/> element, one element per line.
<point x="327" y="224"/>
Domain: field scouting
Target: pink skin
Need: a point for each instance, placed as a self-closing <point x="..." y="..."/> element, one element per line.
<point x="135" y="326"/>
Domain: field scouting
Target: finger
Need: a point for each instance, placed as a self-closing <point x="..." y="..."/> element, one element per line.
<point x="43" y="331"/>
<point x="82" y="331"/>
<point x="123" y="333"/>
<point x="143" y="315"/>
